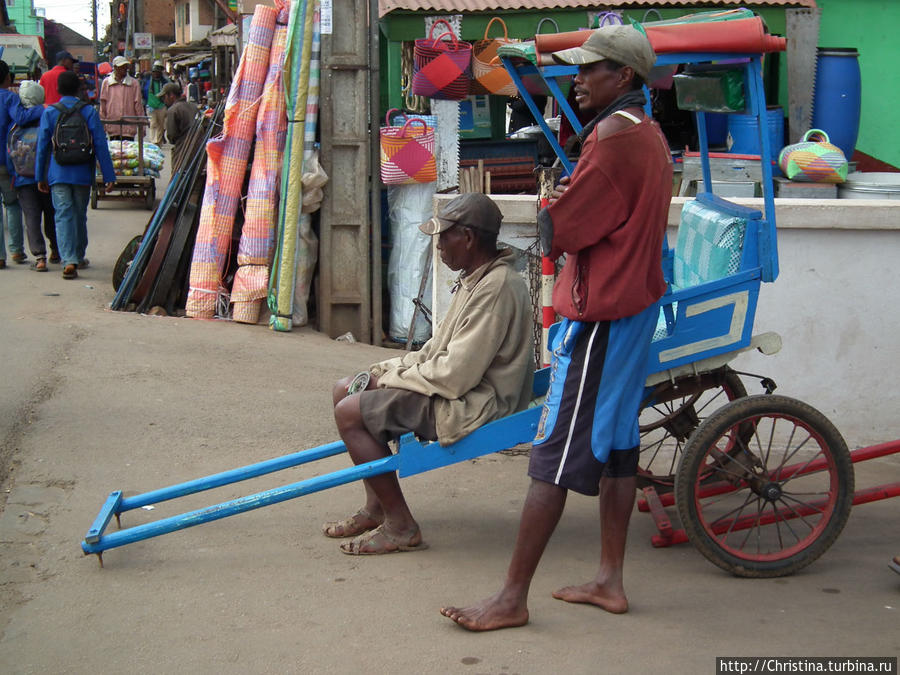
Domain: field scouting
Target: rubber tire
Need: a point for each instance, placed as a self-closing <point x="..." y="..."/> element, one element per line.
<point x="124" y="261"/>
<point x="710" y="430"/>
<point x="734" y="389"/>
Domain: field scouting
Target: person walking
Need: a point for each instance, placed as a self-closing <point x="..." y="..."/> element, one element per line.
<point x="36" y="206"/>
<point x="180" y="115"/>
<point x="69" y="184"/>
<point x="64" y="62"/>
<point x="120" y="96"/>
<point x="156" y="109"/>
<point x="11" y="113"/>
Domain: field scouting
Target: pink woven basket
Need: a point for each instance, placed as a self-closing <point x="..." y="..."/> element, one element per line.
<point x="442" y="68"/>
<point x="407" y="152"/>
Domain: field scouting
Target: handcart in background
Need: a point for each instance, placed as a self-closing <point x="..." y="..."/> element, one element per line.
<point x="139" y="186"/>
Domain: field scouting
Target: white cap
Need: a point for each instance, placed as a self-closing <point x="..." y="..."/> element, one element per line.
<point x="120" y="61"/>
<point x="157" y="64"/>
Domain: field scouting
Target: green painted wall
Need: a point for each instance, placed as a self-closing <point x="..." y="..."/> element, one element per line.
<point x="871" y="27"/>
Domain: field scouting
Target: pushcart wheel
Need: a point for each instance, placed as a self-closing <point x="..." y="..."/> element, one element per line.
<point x="765" y="486"/>
<point x="93" y="196"/>
<point x="672" y="415"/>
<point x="150" y="197"/>
<point x="125" y="260"/>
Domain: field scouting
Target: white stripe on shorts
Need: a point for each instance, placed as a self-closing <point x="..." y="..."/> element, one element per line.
<point x="584" y="370"/>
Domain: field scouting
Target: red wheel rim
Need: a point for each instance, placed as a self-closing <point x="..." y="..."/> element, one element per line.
<point x="771" y="496"/>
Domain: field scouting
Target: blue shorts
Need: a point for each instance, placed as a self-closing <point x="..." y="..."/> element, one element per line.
<point x="589" y="425"/>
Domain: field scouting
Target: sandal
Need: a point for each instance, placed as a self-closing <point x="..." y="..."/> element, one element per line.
<point x="2" y="264"/>
<point x="39" y="265"/>
<point x="69" y="272"/>
<point x="379" y="541"/>
<point x="359" y="522"/>
<point x="55" y="259"/>
<point x="894" y="564"/>
<point x="19" y="258"/>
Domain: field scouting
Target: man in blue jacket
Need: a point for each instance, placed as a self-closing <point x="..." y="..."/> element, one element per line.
<point x="70" y="185"/>
<point x="11" y="112"/>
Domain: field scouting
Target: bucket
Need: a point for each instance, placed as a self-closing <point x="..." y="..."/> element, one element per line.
<point x="870" y="185"/>
<point x="716" y="128"/>
<point x="743" y="137"/>
<point x="836" y="103"/>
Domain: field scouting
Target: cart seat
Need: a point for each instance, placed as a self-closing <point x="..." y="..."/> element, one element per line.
<point x="713" y="285"/>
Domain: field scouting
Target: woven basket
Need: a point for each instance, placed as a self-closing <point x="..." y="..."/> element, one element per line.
<point x="442" y="68"/>
<point x="488" y="78"/>
<point x="407" y="152"/>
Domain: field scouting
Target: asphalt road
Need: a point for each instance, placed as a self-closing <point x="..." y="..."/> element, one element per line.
<point x="93" y="400"/>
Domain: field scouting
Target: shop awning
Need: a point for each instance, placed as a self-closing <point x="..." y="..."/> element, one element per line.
<point x="468" y="6"/>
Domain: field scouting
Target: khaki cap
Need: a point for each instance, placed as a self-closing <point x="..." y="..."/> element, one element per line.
<point x="622" y="44"/>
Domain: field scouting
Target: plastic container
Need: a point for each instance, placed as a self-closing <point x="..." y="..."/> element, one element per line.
<point x="743" y="137"/>
<point x="870" y="185"/>
<point x="836" y="104"/>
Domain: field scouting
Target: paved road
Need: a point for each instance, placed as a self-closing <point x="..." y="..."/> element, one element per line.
<point x="92" y="400"/>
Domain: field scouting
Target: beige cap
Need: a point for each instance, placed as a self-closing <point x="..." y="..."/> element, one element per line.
<point x="622" y="44"/>
<point x="471" y="209"/>
<point x="120" y="61"/>
<point x="171" y="88"/>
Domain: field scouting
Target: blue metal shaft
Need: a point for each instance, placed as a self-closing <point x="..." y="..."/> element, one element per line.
<point x="233" y="476"/>
<point x="249" y="503"/>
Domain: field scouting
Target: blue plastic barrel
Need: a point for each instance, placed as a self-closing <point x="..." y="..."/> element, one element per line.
<point x="744" y="137"/>
<point x="716" y="127"/>
<point x="836" y="104"/>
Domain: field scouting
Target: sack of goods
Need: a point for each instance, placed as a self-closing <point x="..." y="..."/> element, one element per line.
<point x="125" y="160"/>
<point x="814" y="160"/>
<point x="21" y="147"/>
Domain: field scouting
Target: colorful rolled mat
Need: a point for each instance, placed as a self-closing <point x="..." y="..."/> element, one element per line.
<point x="251" y="280"/>
<point x="227" y="166"/>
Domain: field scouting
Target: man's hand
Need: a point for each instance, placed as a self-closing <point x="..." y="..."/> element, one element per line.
<point x="559" y="189"/>
<point x="43" y="187"/>
<point x="109" y="186"/>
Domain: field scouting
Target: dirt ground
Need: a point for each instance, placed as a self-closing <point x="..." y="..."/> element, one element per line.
<point x="93" y="401"/>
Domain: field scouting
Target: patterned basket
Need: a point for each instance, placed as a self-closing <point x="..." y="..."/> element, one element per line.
<point x="442" y="68"/>
<point x="814" y="160"/>
<point x="407" y="152"/>
<point x="488" y="78"/>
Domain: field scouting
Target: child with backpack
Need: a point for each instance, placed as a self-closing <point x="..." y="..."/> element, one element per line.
<point x="71" y="140"/>
<point x="21" y="147"/>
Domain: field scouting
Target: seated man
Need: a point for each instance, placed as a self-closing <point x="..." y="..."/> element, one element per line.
<point x="477" y="367"/>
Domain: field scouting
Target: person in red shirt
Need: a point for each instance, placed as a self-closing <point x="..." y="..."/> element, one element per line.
<point x="609" y="219"/>
<point x="64" y="61"/>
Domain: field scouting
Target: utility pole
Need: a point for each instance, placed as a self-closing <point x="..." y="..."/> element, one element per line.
<point x="94" y="22"/>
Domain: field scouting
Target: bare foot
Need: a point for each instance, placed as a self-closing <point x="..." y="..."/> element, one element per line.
<point x="592" y="593"/>
<point x="490" y="614"/>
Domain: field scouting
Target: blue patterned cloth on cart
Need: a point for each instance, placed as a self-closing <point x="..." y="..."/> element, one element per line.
<point x="709" y="247"/>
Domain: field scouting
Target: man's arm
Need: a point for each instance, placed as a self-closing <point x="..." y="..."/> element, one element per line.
<point x="104" y="99"/>
<point x="42" y="153"/>
<point x="101" y="146"/>
<point x="137" y="103"/>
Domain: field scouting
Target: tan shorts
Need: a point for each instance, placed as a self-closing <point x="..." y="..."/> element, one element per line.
<point x="390" y="413"/>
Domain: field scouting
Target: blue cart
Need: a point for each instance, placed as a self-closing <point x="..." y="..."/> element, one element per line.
<point x="762" y="484"/>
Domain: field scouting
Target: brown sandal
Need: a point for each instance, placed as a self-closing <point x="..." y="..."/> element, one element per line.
<point x="379" y="541"/>
<point x="39" y="265"/>
<point x="360" y="522"/>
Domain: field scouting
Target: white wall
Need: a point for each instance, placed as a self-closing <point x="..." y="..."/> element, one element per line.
<point x="836" y="305"/>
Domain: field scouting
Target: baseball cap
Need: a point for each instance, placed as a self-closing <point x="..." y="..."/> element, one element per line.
<point x="622" y="44"/>
<point x="171" y="88"/>
<point x="471" y="209"/>
<point x="157" y="64"/>
<point x="64" y="55"/>
<point x="120" y="61"/>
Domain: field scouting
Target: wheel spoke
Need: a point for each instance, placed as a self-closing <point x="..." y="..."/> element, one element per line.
<point x="797" y="514"/>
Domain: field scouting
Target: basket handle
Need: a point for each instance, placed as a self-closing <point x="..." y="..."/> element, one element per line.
<point x="822" y="136"/>
<point x="454" y="45"/>
<point x="449" y="29"/>
<point x="502" y="23"/>
<point x="410" y="120"/>
<point x="387" y="117"/>
<point x="541" y="23"/>
<point x="608" y="18"/>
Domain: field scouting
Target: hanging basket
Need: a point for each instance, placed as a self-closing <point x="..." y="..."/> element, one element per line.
<point x="407" y="152"/>
<point x="442" y="68"/>
<point x="488" y="78"/>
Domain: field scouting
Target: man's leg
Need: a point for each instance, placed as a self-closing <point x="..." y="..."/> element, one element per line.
<point x="66" y="234"/>
<point x="363" y="447"/>
<point x="509" y="607"/>
<point x="81" y="196"/>
<point x="607" y="590"/>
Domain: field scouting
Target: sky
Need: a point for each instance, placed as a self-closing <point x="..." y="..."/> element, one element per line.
<point x="76" y="14"/>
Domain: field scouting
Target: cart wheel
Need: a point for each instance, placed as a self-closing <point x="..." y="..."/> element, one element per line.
<point x="765" y="486"/>
<point x="93" y="196"/>
<point x="668" y="421"/>
<point x="124" y="262"/>
<point x="150" y="198"/>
